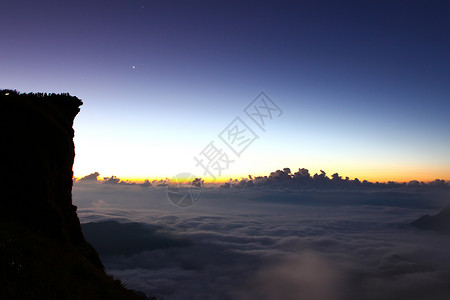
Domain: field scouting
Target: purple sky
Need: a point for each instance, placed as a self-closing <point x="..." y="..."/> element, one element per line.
<point x="364" y="86"/>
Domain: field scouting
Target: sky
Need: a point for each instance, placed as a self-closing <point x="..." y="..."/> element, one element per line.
<point x="362" y="87"/>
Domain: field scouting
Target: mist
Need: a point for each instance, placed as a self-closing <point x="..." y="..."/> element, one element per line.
<point x="269" y="244"/>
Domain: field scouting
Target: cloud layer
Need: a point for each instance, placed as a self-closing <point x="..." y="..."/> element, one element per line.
<point x="247" y="244"/>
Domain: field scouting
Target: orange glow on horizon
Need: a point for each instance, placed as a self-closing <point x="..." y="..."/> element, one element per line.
<point x="373" y="176"/>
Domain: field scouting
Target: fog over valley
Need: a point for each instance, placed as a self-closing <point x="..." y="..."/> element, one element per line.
<point x="269" y="243"/>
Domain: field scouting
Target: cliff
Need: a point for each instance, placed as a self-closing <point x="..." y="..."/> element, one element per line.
<point x="43" y="253"/>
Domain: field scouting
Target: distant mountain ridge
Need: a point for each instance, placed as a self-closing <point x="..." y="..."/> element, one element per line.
<point x="439" y="222"/>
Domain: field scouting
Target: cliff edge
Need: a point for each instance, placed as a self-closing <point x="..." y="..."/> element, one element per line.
<point x="43" y="253"/>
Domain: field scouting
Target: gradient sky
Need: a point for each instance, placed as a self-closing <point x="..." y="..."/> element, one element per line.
<point x="364" y="85"/>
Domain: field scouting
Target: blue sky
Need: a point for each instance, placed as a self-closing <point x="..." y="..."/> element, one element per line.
<point x="364" y="87"/>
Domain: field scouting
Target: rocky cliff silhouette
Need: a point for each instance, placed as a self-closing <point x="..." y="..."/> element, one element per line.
<point x="43" y="253"/>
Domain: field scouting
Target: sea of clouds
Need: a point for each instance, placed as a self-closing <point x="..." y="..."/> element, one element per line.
<point x="269" y="244"/>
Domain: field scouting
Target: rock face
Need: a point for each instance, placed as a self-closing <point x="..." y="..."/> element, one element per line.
<point x="39" y="226"/>
<point x="38" y="141"/>
<point x="439" y="222"/>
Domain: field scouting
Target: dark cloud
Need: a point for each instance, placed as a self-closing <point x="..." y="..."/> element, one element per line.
<point x="286" y="179"/>
<point x="111" y="180"/>
<point x="146" y="183"/>
<point x="303" y="179"/>
<point x="90" y="177"/>
<point x="198" y="182"/>
<point x="93" y="177"/>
